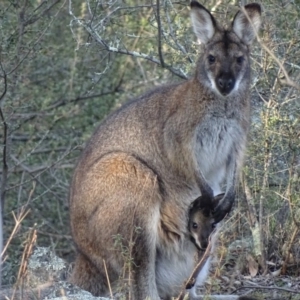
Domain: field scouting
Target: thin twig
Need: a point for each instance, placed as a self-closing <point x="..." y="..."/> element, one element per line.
<point x="157" y="16"/>
<point x="108" y="281"/>
<point x="35" y="18"/>
<point x="91" y="30"/>
<point x="173" y="36"/>
<point x="105" y="20"/>
<point x="288" y="80"/>
<point x="25" y="257"/>
<point x="20" y="61"/>
<point x="177" y="72"/>
<point x="81" y="98"/>
<point x="18" y="222"/>
<point x="266" y="288"/>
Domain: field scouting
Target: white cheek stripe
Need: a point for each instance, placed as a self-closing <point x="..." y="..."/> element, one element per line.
<point x="212" y="82"/>
<point x="236" y="85"/>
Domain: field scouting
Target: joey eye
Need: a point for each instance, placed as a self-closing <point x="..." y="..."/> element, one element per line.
<point x="195" y="225"/>
<point x="240" y="60"/>
<point x="211" y="59"/>
<point x="214" y="225"/>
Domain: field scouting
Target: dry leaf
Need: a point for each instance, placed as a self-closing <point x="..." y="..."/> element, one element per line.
<point x="252" y="265"/>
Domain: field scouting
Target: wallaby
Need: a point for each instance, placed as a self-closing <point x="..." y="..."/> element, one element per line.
<point x="151" y="158"/>
<point x="202" y="226"/>
<point x="203" y="230"/>
<point x="201" y="221"/>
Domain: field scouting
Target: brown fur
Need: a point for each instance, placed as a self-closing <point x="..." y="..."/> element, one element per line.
<point x="149" y="160"/>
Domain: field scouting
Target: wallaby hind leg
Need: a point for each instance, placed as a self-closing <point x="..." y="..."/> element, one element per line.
<point x="87" y="276"/>
<point x="117" y="224"/>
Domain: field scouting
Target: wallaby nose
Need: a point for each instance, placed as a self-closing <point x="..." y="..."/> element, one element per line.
<point x="204" y="243"/>
<point x="225" y="83"/>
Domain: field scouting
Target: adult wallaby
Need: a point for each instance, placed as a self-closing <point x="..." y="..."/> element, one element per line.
<point x="150" y="159"/>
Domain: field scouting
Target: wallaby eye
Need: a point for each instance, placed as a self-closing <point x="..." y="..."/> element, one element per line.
<point x="213" y="226"/>
<point x="240" y="60"/>
<point x="211" y="59"/>
<point x="195" y="225"/>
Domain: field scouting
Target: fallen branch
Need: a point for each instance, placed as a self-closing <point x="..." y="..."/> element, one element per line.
<point x="267" y="288"/>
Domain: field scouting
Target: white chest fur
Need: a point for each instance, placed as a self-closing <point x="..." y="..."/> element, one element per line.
<point x="217" y="142"/>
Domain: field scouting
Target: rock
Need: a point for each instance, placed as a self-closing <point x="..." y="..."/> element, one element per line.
<point x="46" y="279"/>
<point x="44" y="266"/>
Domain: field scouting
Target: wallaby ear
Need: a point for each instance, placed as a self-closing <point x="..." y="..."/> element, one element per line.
<point x="203" y="22"/>
<point x="247" y="22"/>
<point x="217" y="199"/>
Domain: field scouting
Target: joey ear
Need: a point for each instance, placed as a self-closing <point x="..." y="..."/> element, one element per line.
<point x="217" y="199"/>
<point x="247" y="22"/>
<point x="203" y="22"/>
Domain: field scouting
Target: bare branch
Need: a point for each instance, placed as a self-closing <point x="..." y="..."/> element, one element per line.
<point x="35" y="18"/>
<point x="157" y="16"/>
<point x="105" y="20"/>
<point x="288" y="80"/>
<point x="81" y="98"/>
<point x="267" y="288"/>
<point x="36" y="177"/>
<point x="36" y="42"/>
<point x="92" y="31"/>
<point x="4" y="76"/>
<point x="18" y="221"/>
<point x="173" y="36"/>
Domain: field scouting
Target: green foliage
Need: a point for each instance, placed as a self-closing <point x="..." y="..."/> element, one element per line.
<point x="272" y="165"/>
